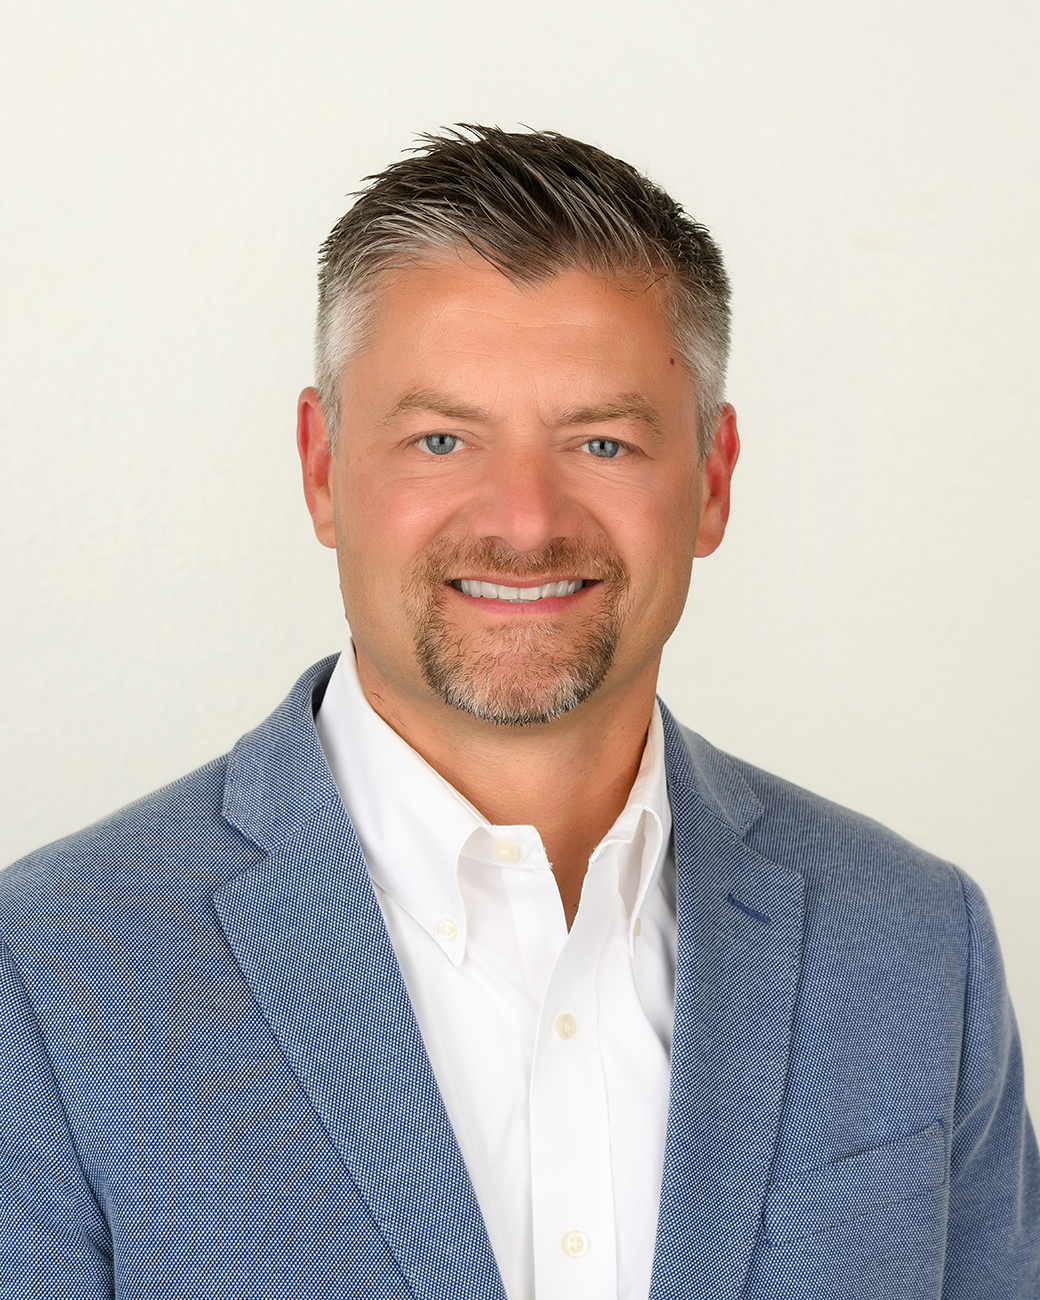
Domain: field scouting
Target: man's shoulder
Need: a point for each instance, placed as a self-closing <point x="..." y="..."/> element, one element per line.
<point x="827" y="843"/>
<point x="164" y="835"/>
<point x="186" y="836"/>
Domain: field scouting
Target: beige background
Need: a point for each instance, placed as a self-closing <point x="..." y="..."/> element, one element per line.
<point x="867" y="629"/>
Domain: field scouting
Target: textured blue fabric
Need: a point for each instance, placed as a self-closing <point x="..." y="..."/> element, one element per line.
<point x="213" y="1083"/>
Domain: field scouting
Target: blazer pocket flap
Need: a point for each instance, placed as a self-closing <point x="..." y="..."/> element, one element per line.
<point x="847" y="1189"/>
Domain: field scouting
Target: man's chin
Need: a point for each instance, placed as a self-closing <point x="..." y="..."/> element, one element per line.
<point x="511" y="704"/>
<point x="521" y="686"/>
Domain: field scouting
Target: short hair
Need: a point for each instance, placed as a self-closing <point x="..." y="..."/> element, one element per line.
<point x="532" y="204"/>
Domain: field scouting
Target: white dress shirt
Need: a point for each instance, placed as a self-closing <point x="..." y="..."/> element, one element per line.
<point x="551" y="1050"/>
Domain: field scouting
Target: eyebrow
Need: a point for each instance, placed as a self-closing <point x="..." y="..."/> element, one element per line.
<point x="631" y="406"/>
<point x="424" y="399"/>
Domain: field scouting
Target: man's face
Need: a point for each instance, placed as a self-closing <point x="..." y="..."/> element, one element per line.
<point x="515" y="498"/>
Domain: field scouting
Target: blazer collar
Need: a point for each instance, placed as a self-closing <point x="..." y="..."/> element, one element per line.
<point x="277" y="779"/>
<point x="695" y="765"/>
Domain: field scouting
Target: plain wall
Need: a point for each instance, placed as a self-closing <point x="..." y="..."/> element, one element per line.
<point x="868" y="628"/>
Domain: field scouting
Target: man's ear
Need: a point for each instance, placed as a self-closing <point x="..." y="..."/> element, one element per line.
<point x="715" y="473"/>
<point x="316" y="462"/>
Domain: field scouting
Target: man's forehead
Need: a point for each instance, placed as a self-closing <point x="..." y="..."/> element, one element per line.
<point x="466" y="275"/>
<point x="460" y="302"/>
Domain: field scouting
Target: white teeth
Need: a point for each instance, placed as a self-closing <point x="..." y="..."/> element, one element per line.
<point x="518" y="595"/>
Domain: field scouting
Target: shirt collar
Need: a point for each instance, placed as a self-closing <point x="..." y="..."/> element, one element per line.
<point x="413" y="825"/>
<point x="643" y="829"/>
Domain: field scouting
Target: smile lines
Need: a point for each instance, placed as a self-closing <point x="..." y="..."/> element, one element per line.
<point x="518" y="595"/>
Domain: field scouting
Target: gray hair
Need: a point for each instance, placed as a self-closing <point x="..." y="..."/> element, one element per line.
<point x="532" y="204"/>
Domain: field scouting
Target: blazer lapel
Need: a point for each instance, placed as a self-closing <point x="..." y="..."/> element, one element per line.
<point x="309" y="936"/>
<point x="740" y="920"/>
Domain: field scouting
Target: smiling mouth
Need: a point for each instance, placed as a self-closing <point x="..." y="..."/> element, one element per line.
<point x="517" y="595"/>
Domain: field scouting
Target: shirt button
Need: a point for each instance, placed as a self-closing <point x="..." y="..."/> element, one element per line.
<point x="567" y="1027"/>
<point x="574" y="1244"/>
<point x="447" y="928"/>
<point x="505" y="851"/>
<point x="636" y="928"/>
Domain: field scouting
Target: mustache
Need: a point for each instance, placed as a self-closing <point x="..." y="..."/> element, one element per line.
<point x="447" y="560"/>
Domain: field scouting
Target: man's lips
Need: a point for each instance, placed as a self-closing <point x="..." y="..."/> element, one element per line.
<point x="477" y="587"/>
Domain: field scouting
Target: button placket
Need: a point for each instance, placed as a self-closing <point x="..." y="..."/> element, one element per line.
<point x="572" y="1176"/>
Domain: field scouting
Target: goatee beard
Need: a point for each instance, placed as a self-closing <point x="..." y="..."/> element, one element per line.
<point x="529" y="671"/>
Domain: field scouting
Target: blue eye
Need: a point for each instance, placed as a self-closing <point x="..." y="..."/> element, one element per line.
<point x="605" y="448"/>
<point x="440" y="444"/>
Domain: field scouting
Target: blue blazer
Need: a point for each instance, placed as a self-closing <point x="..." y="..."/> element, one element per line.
<point x="214" y="1084"/>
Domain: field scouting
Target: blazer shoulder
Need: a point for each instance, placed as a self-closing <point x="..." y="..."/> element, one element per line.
<point x="820" y="838"/>
<point x="166" y="839"/>
<point x="181" y="838"/>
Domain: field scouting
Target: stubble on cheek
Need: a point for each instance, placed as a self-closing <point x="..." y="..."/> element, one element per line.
<point x="527" y="671"/>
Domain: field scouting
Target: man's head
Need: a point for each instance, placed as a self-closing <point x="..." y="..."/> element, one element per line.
<point x="523" y="472"/>
<point x="532" y="204"/>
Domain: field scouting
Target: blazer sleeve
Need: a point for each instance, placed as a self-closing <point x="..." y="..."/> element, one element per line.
<point x="54" y="1240"/>
<point x="993" y="1237"/>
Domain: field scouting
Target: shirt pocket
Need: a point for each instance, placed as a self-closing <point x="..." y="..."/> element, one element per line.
<point x="850" y="1188"/>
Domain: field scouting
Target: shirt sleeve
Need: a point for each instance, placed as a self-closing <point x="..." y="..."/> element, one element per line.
<point x="54" y="1240"/>
<point x="993" y="1236"/>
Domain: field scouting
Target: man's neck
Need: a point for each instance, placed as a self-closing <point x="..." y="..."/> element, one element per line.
<point x="569" y="778"/>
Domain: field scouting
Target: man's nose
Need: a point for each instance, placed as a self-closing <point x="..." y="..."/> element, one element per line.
<point x="525" y="502"/>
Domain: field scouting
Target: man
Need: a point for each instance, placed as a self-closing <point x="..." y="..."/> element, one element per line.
<point x="470" y="972"/>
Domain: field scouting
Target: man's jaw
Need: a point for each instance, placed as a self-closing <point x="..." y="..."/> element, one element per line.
<point x="480" y="589"/>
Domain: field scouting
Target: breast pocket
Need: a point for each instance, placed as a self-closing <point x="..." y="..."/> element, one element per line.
<point x="850" y="1188"/>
